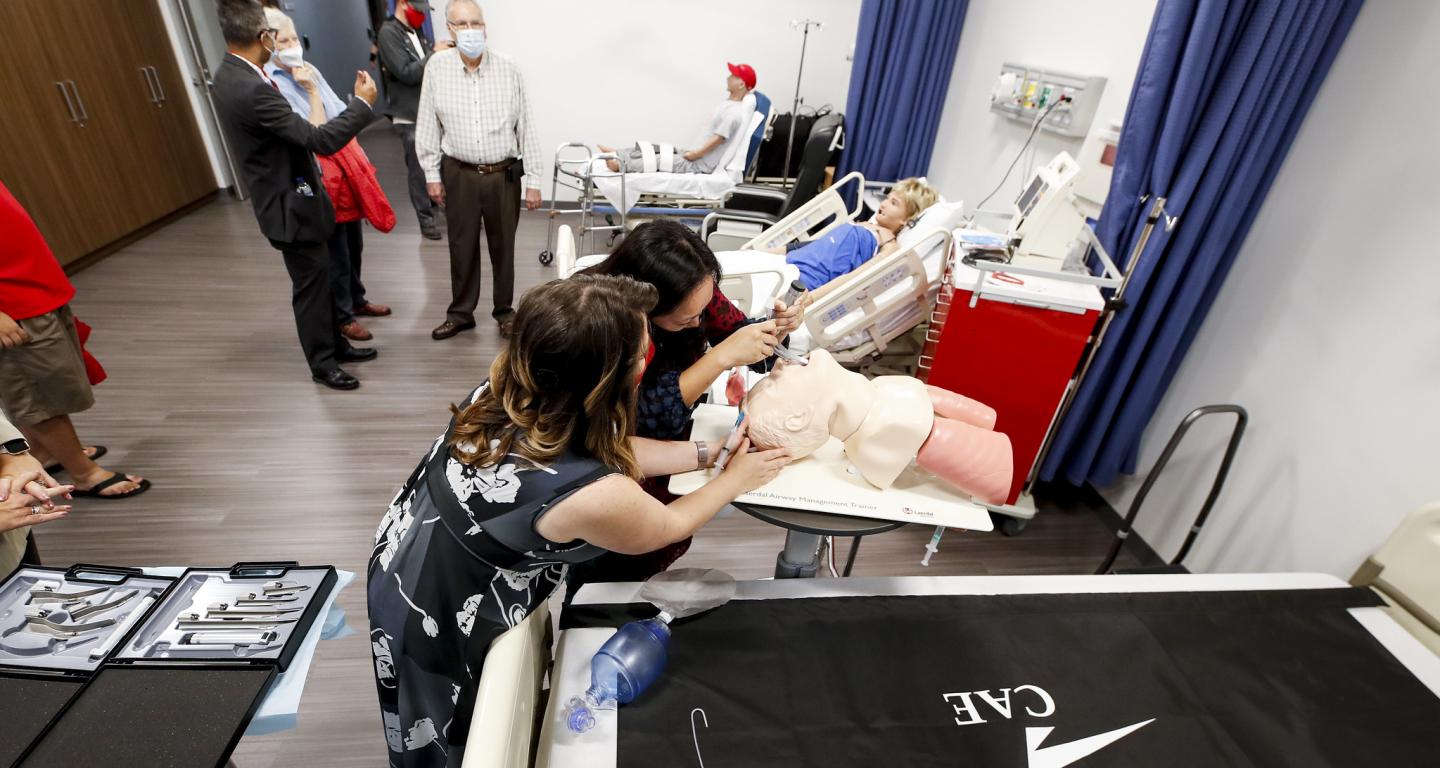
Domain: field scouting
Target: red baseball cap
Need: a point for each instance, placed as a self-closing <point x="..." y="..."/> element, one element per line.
<point x="745" y="72"/>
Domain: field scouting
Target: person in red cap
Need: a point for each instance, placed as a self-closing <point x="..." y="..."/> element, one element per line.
<point x="727" y="127"/>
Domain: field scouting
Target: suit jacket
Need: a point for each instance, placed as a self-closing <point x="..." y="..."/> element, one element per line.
<point x="274" y="148"/>
<point x="401" y="69"/>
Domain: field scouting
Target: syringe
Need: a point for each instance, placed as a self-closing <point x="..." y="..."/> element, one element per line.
<point x="933" y="546"/>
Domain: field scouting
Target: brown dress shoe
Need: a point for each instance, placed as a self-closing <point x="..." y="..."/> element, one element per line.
<point x="449" y="328"/>
<point x="354" y="331"/>
<point x="371" y="309"/>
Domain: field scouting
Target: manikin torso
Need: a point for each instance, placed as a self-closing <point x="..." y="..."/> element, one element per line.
<point x="883" y="422"/>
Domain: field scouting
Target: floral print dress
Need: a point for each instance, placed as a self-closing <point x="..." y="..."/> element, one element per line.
<point x="456" y="562"/>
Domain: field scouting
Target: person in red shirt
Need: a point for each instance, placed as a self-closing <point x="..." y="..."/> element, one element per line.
<point x="43" y="368"/>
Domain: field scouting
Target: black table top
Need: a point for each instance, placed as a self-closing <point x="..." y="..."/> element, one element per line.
<point x="818" y="523"/>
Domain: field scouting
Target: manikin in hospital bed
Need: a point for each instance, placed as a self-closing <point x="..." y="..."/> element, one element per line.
<point x="857" y="314"/>
<point x="725" y="128"/>
<point x="885" y="423"/>
<point x="702" y="182"/>
<point x="844" y="248"/>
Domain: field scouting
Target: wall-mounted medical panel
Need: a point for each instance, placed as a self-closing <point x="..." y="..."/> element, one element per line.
<point x="1023" y="93"/>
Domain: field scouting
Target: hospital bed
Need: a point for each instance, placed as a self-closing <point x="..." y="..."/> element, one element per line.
<point x="871" y="308"/>
<point x="603" y="193"/>
<point x="750" y="286"/>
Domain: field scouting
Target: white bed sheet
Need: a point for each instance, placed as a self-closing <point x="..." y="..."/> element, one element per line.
<point x="699" y="186"/>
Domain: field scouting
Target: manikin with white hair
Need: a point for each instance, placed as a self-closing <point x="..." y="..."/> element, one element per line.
<point x="885" y="423"/>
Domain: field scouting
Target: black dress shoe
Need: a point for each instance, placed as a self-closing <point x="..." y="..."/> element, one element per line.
<point x="430" y="232"/>
<point x="337" y="379"/>
<point x="507" y="325"/>
<point x="358" y="355"/>
<point x="449" y="328"/>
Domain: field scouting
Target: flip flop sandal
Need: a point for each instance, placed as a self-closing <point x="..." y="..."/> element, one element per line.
<point x="117" y="477"/>
<point x="100" y="450"/>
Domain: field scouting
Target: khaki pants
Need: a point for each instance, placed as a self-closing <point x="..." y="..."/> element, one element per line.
<point x="45" y="377"/>
<point x="12" y="547"/>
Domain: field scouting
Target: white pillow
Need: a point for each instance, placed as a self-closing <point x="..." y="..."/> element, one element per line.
<point x="941" y="215"/>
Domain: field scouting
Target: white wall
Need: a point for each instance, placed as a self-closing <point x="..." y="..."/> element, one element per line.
<point x="616" y="72"/>
<point x="974" y="145"/>
<point x="1327" y="330"/>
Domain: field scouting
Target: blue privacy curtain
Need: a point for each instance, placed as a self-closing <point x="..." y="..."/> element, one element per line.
<point x="1222" y="87"/>
<point x="904" y="52"/>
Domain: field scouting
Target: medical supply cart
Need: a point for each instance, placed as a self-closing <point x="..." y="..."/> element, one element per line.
<point x="1013" y="337"/>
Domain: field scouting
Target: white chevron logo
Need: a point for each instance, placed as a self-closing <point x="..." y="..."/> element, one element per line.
<point x="1060" y="755"/>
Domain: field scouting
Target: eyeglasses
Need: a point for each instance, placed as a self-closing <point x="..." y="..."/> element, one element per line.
<point x="466" y="24"/>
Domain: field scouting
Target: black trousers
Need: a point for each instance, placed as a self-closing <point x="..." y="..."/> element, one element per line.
<point x="346" y="247"/>
<point x="313" y="303"/>
<point x="475" y="201"/>
<point x="415" y="175"/>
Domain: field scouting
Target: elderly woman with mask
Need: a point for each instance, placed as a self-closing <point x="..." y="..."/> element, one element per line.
<point x="349" y="177"/>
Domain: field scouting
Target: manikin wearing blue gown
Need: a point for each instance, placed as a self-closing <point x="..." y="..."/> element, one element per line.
<point x="845" y="248"/>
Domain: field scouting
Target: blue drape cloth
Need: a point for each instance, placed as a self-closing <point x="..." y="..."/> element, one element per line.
<point x="1222" y="87"/>
<point x="904" y="52"/>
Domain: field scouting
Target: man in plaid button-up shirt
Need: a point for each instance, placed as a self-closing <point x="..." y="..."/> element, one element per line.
<point x="474" y="136"/>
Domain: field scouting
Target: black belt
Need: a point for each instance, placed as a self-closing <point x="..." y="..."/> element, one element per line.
<point x="484" y="167"/>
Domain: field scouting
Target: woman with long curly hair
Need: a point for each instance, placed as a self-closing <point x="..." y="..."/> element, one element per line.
<point x="537" y="470"/>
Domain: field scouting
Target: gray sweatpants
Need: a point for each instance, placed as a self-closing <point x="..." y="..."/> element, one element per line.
<point x="632" y="161"/>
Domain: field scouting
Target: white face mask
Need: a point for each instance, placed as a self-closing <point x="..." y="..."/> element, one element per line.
<point x="290" y="58"/>
<point x="471" y="42"/>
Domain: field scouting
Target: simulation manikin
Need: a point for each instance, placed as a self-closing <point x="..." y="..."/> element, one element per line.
<point x="884" y="422"/>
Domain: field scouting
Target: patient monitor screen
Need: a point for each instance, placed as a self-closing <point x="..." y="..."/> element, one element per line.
<point x="1031" y="194"/>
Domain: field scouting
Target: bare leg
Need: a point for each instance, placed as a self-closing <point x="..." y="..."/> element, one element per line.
<point x="962" y="408"/>
<point x="613" y="165"/>
<point x="975" y="460"/>
<point x="56" y="437"/>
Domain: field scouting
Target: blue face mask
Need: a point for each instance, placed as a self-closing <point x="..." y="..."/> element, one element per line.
<point x="471" y="42"/>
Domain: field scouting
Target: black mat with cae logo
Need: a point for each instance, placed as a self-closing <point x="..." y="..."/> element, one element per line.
<point x="1272" y="678"/>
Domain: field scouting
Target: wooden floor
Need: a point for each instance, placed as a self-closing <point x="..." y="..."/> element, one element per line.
<point x="210" y="398"/>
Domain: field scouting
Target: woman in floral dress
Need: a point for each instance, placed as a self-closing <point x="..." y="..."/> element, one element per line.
<point x="535" y="472"/>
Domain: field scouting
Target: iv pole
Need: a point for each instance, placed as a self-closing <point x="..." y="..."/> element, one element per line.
<point x="804" y="26"/>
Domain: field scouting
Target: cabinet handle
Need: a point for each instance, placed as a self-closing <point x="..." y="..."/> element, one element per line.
<point x="150" y="84"/>
<point x="159" y="88"/>
<point x="79" y="102"/>
<point x="69" y="105"/>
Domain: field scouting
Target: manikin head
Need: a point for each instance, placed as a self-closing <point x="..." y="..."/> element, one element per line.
<point x="907" y="200"/>
<point x="740" y="81"/>
<point x="800" y="406"/>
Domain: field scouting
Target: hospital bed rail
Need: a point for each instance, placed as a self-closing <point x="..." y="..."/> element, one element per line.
<point x="883" y="300"/>
<point x="752" y="289"/>
<point x="744" y="230"/>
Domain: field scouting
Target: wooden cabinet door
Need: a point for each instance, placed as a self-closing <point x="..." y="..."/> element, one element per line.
<point x="188" y="175"/>
<point x="119" y="105"/>
<point x="57" y="166"/>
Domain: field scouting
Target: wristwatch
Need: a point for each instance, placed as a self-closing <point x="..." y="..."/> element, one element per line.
<point x="15" y="447"/>
<point x="702" y="454"/>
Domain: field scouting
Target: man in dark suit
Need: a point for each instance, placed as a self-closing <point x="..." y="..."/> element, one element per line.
<point x="403" y="50"/>
<point x="275" y="148"/>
